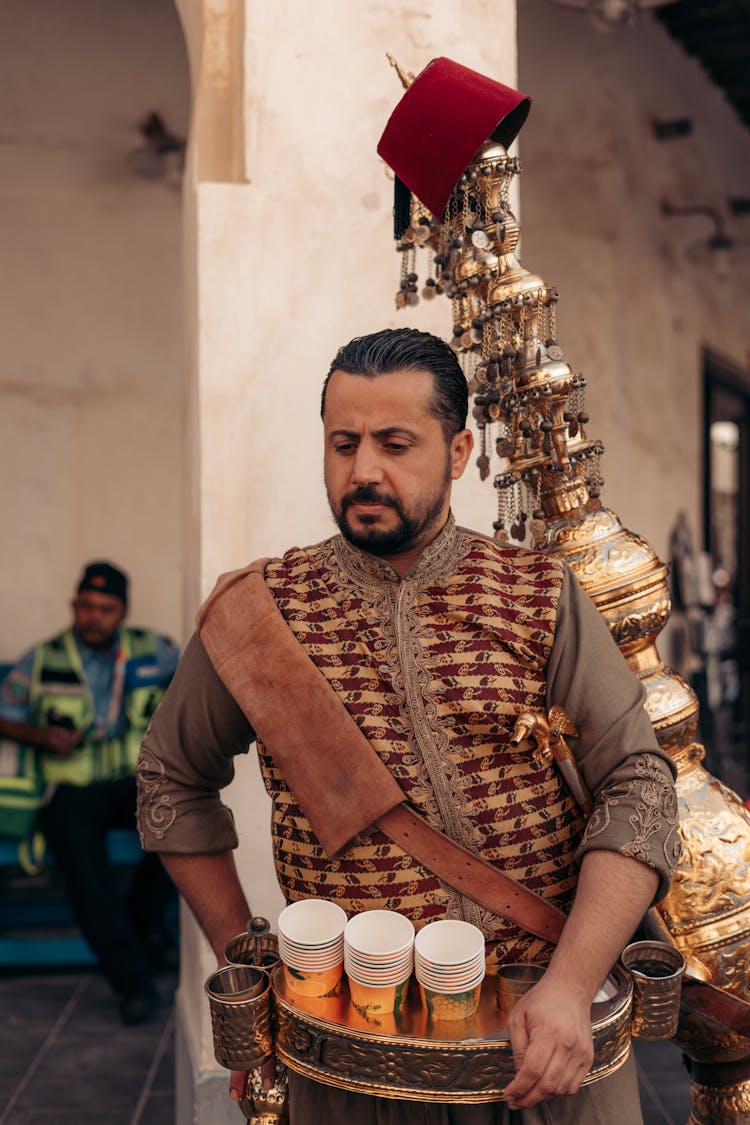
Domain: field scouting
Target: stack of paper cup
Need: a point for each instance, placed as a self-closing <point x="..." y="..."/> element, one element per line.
<point x="378" y="958"/>
<point x="311" y="946"/>
<point x="449" y="965"/>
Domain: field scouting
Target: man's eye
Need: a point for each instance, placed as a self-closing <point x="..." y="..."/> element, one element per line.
<point x="344" y="447"/>
<point x="396" y="447"/>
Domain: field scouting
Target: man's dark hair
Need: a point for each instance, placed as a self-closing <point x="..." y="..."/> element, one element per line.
<point x="407" y="349"/>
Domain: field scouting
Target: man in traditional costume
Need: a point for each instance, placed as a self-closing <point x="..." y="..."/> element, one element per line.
<point x="435" y="639"/>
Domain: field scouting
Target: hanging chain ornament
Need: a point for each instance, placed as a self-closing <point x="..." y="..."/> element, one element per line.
<point x="505" y="335"/>
<point x="483" y="461"/>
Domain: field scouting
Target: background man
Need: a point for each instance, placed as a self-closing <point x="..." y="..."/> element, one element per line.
<point x="84" y="699"/>
<point x="435" y="638"/>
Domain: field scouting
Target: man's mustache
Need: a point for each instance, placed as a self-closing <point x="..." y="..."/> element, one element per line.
<point x="367" y="494"/>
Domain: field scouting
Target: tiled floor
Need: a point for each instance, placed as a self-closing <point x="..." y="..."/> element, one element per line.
<point x="65" y="1057"/>
<point x="664" y="1082"/>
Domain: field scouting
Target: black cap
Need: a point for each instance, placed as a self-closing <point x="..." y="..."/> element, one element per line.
<point x="104" y="578"/>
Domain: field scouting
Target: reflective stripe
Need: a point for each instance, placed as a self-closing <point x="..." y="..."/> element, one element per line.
<point x="59" y="687"/>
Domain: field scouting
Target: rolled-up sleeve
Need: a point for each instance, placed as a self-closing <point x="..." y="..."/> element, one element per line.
<point x="629" y="775"/>
<point x="187" y="757"/>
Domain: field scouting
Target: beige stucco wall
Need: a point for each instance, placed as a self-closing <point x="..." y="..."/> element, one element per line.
<point x="634" y="312"/>
<point x="91" y="367"/>
<point x="289" y="265"/>
<point x="302" y="256"/>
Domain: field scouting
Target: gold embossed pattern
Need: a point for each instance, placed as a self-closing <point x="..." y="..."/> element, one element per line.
<point x="419" y="1059"/>
<point x="724" y="1105"/>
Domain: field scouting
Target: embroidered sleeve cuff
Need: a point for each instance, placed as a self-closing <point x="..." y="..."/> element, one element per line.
<point x="636" y="815"/>
<point x="174" y="820"/>
<point x="186" y="758"/>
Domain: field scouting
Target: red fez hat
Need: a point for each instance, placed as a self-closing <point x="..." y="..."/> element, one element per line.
<point x="441" y="121"/>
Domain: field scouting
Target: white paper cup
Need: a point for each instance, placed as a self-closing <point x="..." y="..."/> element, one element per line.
<point x="313" y="964"/>
<point x="378" y="935"/>
<point x="449" y="984"/>
<point x="312" y="922"/>
<point x="466" y="968"/>
<point x="311" y="946"/>
<point x="449" y="944"/>
<point x="446" y="982"/>
<point x="373" y="975"/>
<point x="311" y="960"/>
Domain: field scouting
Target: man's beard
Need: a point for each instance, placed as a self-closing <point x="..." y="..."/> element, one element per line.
<point x="405" y="534"/>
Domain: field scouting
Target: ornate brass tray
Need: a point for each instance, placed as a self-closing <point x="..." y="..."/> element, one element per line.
<point x="410" y="1056"/>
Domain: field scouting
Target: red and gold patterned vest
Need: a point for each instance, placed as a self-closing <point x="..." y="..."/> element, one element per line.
<point x="434" y="668"/>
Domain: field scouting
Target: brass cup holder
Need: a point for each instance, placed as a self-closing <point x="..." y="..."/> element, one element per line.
<point x="260" y="950"/>
<point x="239" y="997"/>
<point x="656" y="969"/>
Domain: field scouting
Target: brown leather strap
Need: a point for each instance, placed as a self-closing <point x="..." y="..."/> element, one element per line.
<point x="340" y="783"/>
<point x="726" y="1009"/>
<point x="338" y="780"/>
<point x="470" y="875"/>
<point x="719" y="1074"/>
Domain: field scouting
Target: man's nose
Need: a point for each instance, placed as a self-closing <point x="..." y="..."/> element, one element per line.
<point x="366" y="467"/>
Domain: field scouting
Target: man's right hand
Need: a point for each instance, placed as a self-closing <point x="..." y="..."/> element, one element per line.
<point x="61" y="741"/>
<point x="552" y="1042"/>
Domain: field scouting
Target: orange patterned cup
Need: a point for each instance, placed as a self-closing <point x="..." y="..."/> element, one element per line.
<point x="377" y="1000"/>
<point x="310" y="983"/>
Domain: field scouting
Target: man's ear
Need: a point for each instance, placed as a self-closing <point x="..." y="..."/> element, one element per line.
<point x="461" y="446"/>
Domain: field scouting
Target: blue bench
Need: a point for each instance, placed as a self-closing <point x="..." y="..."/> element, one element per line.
<point x="37" y="927"/>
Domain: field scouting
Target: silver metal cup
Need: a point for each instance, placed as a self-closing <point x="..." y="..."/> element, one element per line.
<point x="514" y="981"/>
<point x="239" y="997"/>
<point x="656" y="969"/>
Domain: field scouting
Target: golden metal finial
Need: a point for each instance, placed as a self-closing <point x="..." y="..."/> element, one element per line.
<point x="546" y="734"/>
<point x="406" y="78"/>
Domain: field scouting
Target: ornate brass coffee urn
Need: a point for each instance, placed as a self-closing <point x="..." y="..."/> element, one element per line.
<point x="529" y="405"/>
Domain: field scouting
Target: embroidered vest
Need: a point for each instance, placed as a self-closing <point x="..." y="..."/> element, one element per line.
<point x="434" y="668"/>
<point x="60" y="691"/>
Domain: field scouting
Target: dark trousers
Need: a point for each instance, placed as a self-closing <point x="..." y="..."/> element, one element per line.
<point x="612" y="1100"/>
<point x="112" y="919"/>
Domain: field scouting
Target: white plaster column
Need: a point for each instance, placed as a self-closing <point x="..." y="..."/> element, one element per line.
<point x="288" y="254"/>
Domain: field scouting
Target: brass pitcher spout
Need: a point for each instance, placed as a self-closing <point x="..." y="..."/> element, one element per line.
<point x="546" y="733"/>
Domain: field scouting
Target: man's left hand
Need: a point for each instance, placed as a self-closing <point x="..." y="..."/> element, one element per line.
<point x="552" y="1042"/>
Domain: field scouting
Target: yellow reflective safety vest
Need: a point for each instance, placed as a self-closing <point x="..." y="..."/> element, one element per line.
<point x="60" y="695"/>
